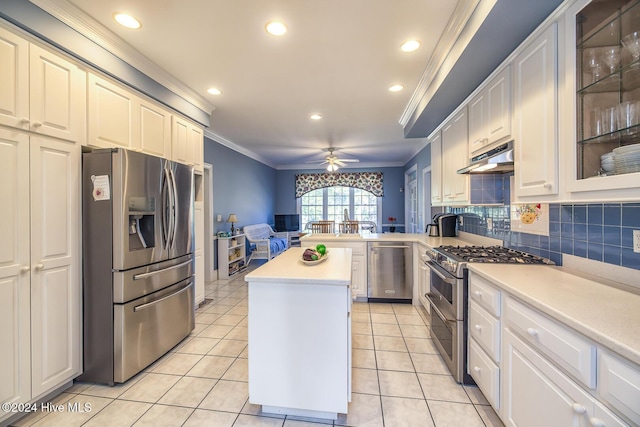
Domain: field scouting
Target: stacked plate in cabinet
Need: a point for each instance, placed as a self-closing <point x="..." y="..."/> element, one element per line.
<point x="627" y="159"/>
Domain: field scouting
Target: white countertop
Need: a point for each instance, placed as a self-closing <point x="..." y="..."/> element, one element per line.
<point x="607" y="315"/>
<point x="462" y="239"/>
<point x="287" y="268"/>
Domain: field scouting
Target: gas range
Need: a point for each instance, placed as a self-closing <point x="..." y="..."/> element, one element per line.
<point x="455" y="258"/>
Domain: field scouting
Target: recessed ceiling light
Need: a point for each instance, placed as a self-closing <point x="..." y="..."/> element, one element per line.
<point x="276" y="28"/>
<point x="127" y="20"/>
<point x="315" y="117"/>
<point x="396" y="88"/>
<point x="214" y="91"/>
<point x="410" y="45"/>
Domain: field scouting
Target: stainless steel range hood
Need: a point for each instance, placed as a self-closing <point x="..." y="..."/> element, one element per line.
<point x="496" y="160"/>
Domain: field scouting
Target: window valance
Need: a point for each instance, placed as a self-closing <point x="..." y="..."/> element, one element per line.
<point x="369" y="181"/>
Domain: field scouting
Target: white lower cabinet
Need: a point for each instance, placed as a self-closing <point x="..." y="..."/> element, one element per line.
<point x="619" y="385"/>
<point x="535" y="392"/>
<point x="358" y="264"/>
<point x="535" y="371"/>
<point x="39" y="266"/>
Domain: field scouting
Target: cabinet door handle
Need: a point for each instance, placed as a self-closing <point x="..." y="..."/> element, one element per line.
<point x="578" y="408"/>
<point x="478" y="327"/>
<point x="24" y="269"/>
<point x="548" y="185"/>
<point x="476" y="369"/>
<point x="39" y="267"/>
<point x="596" y="422"/>
<point x="37" y="124"/>
<point x="478" y="294"/>
<point x="532" y="332"/>
<point x="24" y="120"/>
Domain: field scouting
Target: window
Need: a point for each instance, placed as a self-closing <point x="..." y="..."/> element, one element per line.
<point x="329" y="203"/>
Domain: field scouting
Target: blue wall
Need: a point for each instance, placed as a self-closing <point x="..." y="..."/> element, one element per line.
<point x="241" y="185"/>
<point x="392" y="201"/>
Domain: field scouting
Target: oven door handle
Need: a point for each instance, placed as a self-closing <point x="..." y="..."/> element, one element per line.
<point x="448" y="280"/>
<point x="429" y="296"/>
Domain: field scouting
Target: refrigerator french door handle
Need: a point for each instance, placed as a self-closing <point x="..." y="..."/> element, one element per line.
<point x="165" y="210"/>
<point x="174" y="208"/>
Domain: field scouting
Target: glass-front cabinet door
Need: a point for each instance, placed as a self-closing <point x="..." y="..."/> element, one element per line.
<point x="607" y="47"/>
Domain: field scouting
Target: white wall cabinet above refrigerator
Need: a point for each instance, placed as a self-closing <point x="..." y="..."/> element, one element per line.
<point x="41" y="91"/>
<point x="119" y="118"/>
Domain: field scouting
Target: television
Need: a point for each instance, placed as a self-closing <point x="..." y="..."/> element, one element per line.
<point x="289" y="222"/>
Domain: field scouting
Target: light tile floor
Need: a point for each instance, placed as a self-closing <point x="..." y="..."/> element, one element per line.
<point x="398" y="377"/>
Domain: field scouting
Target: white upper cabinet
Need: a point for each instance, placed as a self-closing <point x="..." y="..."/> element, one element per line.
<point x="120" y="118"/>
<point x="155" y="129"/>
<point x="40" y="91"/>
<point x="535" y="89"/>
<point x="436" y="168"/>
<point x="111" y="118"/>
<point x="490" y="113"/>
<point x="455" y="187"/>
<point x="592" y="88"/>
<point x="187" y="143"/>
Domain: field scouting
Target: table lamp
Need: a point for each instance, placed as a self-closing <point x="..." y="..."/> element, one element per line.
<point x="232" y="218"/>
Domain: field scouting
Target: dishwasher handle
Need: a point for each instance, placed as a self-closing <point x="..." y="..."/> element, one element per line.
<point x="390" y="247"/>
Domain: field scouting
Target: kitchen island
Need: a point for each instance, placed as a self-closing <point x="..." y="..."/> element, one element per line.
<point x="300" y="335"/>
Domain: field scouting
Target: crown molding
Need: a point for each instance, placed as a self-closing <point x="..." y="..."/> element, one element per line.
<point x="235" y="147"/>
<point x="450" y="36"/>
<point x="84" y="24"/>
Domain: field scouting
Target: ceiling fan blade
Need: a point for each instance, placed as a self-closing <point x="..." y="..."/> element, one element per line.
<point x="318" y="162"/>
<point x="350" y="160"/>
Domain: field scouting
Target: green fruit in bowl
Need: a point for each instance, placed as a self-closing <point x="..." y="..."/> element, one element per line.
<point x="321" y="249"/>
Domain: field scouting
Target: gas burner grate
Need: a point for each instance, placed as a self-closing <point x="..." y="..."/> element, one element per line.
<point x="493" y="254"/>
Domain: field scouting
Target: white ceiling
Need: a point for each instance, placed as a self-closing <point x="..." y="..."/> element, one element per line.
<point x="337" y="59"/>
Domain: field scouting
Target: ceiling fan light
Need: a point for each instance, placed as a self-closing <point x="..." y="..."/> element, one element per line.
<point x="332" y="167"/>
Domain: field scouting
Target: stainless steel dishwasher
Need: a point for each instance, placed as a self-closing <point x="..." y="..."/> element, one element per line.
<point x="390" y="272"/>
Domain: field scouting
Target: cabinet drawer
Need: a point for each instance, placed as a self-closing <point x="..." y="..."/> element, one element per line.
<point x="485" y="373"/>
<point x="356" y="248"/>
<point x="565" y="347"/>
<point x="485" y="329"/>
<point x="484" y="293"/>
<point x="619" y="385"/>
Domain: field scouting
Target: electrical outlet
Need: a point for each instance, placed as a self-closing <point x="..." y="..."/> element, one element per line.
<point x="636" y="241"/>
<point x="460" y="220"/>
<point x="489" y="224"/>
<point x="219" y="218"/>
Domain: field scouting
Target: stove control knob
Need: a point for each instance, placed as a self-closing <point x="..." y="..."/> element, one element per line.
<point x="448" y="265"/>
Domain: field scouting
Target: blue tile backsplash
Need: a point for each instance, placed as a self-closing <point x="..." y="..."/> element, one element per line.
<point x="598" y="231"/>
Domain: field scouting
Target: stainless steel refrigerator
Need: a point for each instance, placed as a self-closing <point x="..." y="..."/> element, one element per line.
<point x="138" y="261"/>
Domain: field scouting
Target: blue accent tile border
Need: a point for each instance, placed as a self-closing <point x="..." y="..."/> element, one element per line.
<point x="597" y="231"/>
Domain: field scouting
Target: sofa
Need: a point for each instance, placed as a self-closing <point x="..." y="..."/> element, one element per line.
<point x="263" y="242"/>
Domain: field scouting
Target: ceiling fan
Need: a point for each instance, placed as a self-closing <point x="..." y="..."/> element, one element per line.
<point x="333" y="162"/>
